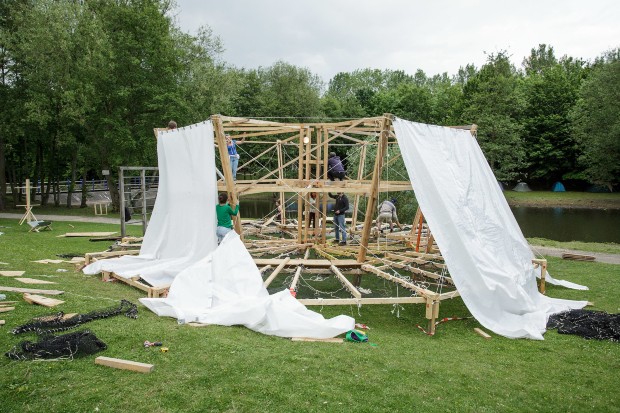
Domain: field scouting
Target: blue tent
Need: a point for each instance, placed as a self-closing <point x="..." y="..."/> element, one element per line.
<point x="558" y="187"/>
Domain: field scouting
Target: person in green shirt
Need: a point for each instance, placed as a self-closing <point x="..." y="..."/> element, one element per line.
<point x="224" y="211"/>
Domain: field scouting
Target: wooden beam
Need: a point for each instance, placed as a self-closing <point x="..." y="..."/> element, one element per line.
<point x="376" y="179"/>
<point x="346" y="282"/>
<point x="39" y="299"/>
<point x="276" y="271"/>
<point x="30" y="290"/>
<point x="124" y="364"/>
<point x="320" y="340"/>
<point x="481" y="333"/>
<point x="220" y="138"/>
<point x="410" y="286"/>
<point x="361" y="301"/>
<point x="293" y="286"/>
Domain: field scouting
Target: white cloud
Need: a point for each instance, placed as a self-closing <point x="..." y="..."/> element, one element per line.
<point x="333" y="36"/>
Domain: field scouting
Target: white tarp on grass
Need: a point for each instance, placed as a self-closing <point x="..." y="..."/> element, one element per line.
<point x="226" y="288"/>
<point x="488" y="258"/>
<point x="210" y="284"/>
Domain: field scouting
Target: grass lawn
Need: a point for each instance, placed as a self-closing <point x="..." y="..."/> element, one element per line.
<point x="567" y="199"/>
<point x="233" y="369"/>
<point x="607" y="247"/>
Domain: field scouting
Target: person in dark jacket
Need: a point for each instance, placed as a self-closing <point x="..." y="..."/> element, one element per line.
<point x="335" y="168"/>
<point x="340" y="224"/>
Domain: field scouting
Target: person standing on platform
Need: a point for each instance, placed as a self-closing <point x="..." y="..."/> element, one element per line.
<point x="335" y="168"/>
<point x="312" y="212"/>
<point x="340" y="224"/>
<point x="172" y="125"/>
<point x="224" y="212"/>
<point x="231" y="145"/>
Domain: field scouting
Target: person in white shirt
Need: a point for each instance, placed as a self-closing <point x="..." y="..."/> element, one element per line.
<point x="387" y="213"/>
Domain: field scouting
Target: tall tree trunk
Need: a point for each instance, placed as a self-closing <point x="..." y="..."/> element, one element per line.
<point x="71" y="188"/>
<point x="13" y="179"/>
<point x="2" y="175"/>
<point x="84" y="189"/>
<point x="114" y="194"/>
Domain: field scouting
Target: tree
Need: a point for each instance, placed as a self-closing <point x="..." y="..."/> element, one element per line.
<point x="494" y="100"/>
<point x="596" y="121"/>
<point x="550" y="92"/>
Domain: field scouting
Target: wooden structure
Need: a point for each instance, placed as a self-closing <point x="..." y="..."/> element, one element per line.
<point x="295" y="253"/>
<point x="28" y="215"/>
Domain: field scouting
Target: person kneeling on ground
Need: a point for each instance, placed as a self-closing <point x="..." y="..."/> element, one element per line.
<point x="340" y="224"/>
<point x="334" y="167"/>
<point x="387" y="213"/>
<point x="224" y="212"/>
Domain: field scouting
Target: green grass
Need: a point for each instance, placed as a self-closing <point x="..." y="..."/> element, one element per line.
<point x="233" y="369"/>
<point x="564" y="199"/>
<point x="607" y="248"/>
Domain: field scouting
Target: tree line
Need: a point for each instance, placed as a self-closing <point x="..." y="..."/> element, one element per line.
<point x="83" y="84"/>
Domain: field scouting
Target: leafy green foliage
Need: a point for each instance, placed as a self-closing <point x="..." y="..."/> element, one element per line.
<point x="596" y="121"/>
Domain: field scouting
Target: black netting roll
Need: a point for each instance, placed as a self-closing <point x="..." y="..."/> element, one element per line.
<point x="588" y="324"/>
<point x="57" y="322"/>
<point x="67" y="346"/>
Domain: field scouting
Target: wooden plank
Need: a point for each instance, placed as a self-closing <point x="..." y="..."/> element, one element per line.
<point x="12" y="273"/>
<point x="44" y="301"/>
<point x="422" y="291"/>
<point x="307" y="263"/>
<point x="578" y="257"/>
<point x="481" y="333"/>
<point x="320" y="340"/>
<point x="30" y="290"/>
<point x="124" y="364"/>
<point x="275" y="272"/>
<point x="293" y="286"/>
<point x="5" y="309"/>
<point x="346" y="282"/>
<point x="88" y="234"/>
<point x="362" y="301"/>
<point x="26" y="280"/>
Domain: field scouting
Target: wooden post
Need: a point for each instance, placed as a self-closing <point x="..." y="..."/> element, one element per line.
<point x="360" y="175"/>
<point x="28" y="216"/>
<point x="300" y="176"/>
<point x="376" y="179"/>
<point x="220" y="139"/>
<point x="281" y="176"/>
<point x="324" y="206"/>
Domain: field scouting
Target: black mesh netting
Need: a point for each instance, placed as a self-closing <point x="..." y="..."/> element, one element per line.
<point x="58" y="322"/>
<point x="66" y="346"/>
<point x="587" y="324"/>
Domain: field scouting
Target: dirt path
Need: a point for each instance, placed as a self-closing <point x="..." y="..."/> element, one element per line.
<point x="68" y="218"/>
<point x="557" y="252"/>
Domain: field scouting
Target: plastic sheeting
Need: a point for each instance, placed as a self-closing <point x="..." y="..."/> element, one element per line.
<point x="210" y="284"/>
<point x="484" y="249"/>
<point x="226" y="288"/>
<point x="182" y="227"/>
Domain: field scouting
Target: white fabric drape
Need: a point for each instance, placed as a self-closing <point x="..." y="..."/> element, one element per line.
<point x="182" y="227"/>
<point x="210" y="284"/>
<point x="226" y="288"/>
<point x="484" y="249"/>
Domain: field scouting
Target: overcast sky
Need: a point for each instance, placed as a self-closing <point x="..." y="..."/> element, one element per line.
<point x="331" y="36"/>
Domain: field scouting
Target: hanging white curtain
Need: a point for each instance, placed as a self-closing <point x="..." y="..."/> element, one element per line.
<point x="488" y="258"/>
<point x="182" y="227"/>
<point x="210" y="284"/>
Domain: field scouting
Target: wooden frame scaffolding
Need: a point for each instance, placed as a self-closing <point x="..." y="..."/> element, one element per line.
<point x="298" y="159"/>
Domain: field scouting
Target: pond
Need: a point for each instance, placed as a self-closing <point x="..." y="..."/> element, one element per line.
<point x="569" y="224"/>
<point x="560" y="224"/>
